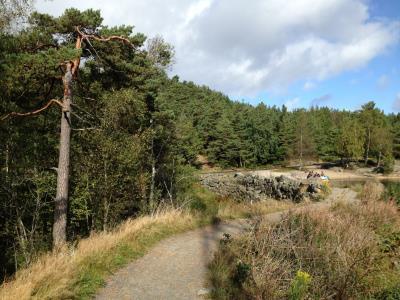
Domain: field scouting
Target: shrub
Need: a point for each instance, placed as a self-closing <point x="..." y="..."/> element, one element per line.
<point x="349" y="251"/>
<point x="388" y="164"/>
<point x="392" y="192"/>
<point x="298" y="288"/>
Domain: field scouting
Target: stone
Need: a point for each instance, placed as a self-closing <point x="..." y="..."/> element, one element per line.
<point x="250" y="187"/>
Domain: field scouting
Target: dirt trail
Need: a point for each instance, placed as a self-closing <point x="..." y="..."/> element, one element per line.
<point x="177" y="267"/>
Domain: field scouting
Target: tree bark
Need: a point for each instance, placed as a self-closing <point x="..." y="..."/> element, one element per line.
<point x="368" y="146"/>
<point x="379" y="159"/>
<point x="152" y="184"/>
<point x="301" y="149"/>
<point x="7" y="160"/>
<point x="61" y="202"/>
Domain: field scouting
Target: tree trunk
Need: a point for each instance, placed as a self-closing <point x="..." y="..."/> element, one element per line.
<point x="106" y="204"/>
<point x="152" y="184"/>
<point x="301" y="149"/>
<point x="368" y="146"/>
<point x="7" y="160"/>
<point x="379" y="159"/>
<point x="23" y="240"/>
<point x="153" y="172"/>
<point x="61" y="202"/>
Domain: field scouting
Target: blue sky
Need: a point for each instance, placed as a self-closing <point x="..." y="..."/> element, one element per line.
<point x="336" y="53"/>
<point x="378" y="80"/>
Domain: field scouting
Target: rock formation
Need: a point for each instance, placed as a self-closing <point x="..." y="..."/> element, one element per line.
<point x="250" y="187"/>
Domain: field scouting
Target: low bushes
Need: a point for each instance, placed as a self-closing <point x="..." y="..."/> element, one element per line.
<point x="348" y="251"/>
<point x="392" y="192"/>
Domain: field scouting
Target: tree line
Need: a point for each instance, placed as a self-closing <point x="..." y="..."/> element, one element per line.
<point x="236" y="134"/>
<point x="134" y="135"/>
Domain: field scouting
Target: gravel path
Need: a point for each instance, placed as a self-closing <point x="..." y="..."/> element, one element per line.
<point x="176" y="268"/>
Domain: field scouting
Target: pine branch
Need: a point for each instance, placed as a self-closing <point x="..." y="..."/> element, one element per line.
<point x="31" y="113"/>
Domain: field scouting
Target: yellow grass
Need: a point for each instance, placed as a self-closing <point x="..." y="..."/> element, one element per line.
<point x="233" y="210"/>
<point x="77" y="272"/>
<point x="56" y="275"/>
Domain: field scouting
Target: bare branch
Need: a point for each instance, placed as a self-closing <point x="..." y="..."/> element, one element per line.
<point x="103" y="39"/>
<point x="85" y="129"/>
<point x="31" y="113"/>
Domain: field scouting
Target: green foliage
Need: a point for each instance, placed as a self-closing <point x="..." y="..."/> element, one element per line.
<point x="119" y="133"/>
<point x="392" y="192"/>
<point x="299" y="286"/>
<point x="349" y="143"/>
<point x="396" y="136"/>
<point x="203" y="201"/>
<point x="388" y="164"/>
<point x="391" y="293"/>
<point x="390" y="242"/>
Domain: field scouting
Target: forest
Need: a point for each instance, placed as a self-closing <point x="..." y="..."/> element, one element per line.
<point x="136" y="132"/>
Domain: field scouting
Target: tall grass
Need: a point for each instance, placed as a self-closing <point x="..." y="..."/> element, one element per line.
<point x="76" y="272"/>
<point x="348" y="251"/>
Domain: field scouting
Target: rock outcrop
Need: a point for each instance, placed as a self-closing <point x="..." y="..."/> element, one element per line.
<point x="250" y="187"/>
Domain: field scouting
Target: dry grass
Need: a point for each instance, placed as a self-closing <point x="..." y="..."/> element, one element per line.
<point x="372" y="191"/>
<point x="75" y="272"/>
<point x="350" y="251"/>
<point x="233" y="210"/>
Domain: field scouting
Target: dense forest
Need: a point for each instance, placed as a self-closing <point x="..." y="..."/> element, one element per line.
<point x="136" y="134"/>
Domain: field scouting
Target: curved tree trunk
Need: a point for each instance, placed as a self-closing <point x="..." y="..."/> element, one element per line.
<point x="61" y="202"/>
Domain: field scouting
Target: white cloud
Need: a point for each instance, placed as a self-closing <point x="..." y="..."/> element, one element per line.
<point x="292" y="103"/>
<point x="396" y="103"/>
<point x="244" y="48"/>
<point x="196" y="9"/>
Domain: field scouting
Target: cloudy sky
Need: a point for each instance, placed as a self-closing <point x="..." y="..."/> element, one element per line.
<point x="337" y="53"/>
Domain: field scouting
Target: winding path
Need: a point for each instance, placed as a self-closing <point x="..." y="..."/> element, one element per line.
<point x="176" y="268"/>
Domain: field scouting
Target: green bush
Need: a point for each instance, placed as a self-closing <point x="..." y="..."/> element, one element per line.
<point x="392" y="192"/>
<point x="388" y="164"/>
<point x="392" y="293"/>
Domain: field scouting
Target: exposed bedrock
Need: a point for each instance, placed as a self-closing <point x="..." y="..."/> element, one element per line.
<point x="250" y="187"/>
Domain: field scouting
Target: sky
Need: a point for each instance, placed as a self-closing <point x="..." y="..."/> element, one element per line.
<point x="303" y="53"/>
